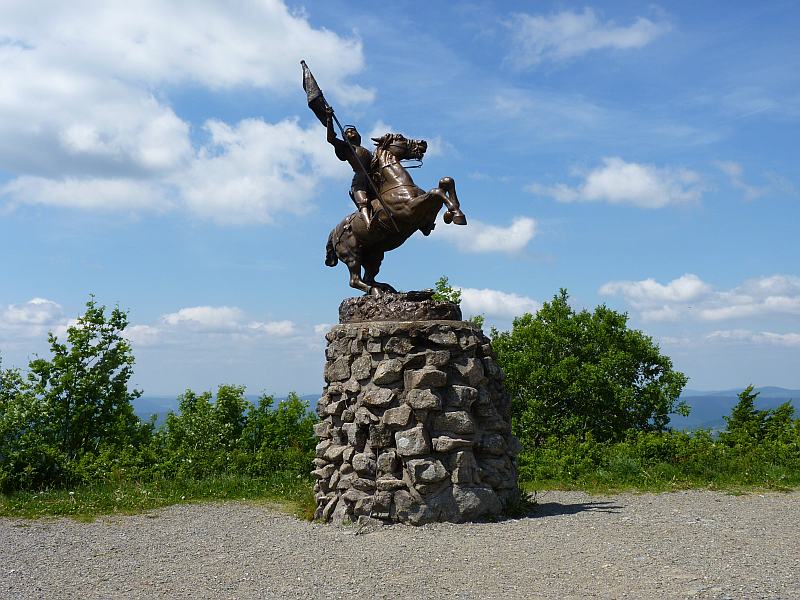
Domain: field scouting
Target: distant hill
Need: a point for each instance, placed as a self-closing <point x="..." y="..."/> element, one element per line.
<point x="160" y="406"/>
<point x="709" y="408"/>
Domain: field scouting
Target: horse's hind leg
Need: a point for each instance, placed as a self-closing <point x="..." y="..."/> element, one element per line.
<point x="372" y="264"/>
<point x="355" y="279"/>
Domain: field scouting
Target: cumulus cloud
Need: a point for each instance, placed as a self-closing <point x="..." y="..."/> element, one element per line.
<point x="479" y="237"/>
<point x="562" y="36"/>
<point x="688" y="297"/>
<point x="33" y="318"/>
<point x="620" y="182"/>
<point x="495" y="303"/>
<point x="94" y="129"/>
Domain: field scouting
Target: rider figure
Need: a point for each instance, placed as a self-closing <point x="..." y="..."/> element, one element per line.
<point x="353" y="153"/>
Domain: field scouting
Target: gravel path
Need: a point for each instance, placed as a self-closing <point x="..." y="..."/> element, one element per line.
<point x="693" y="544"/>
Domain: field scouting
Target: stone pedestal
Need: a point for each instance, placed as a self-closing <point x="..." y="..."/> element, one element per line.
<point x="415" y="423"/>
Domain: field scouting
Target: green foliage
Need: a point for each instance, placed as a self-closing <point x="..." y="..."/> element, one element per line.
<point x="477" y="320"/>
<point x="580" y="373"/>
<point x="748" y="426"/>
<point x="72" y="407"/>
<point x="232" y="435"/>
<point x="445" y="292"/>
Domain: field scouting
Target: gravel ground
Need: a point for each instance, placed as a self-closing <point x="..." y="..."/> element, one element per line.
<point x="695" y="544"/>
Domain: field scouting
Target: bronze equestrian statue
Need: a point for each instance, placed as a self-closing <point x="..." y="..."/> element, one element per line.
<point x="395" y="207"/>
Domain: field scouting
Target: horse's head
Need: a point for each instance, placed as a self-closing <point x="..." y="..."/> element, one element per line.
<point x="400" y="146"/>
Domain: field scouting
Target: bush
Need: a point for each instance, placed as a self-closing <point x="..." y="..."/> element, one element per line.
<point x="578" y="373"/>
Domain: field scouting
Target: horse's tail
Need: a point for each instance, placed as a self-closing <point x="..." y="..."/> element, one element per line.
<point x="330" y="252"/>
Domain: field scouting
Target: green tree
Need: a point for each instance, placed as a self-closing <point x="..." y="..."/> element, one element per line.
<point x="584" y="374"/>
<point x="71" y="407"/>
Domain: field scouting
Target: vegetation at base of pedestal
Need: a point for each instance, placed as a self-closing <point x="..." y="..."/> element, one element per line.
<point x="590" y="403"/>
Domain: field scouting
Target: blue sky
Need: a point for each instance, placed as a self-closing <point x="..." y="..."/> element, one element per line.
<point x="161" y="157"/>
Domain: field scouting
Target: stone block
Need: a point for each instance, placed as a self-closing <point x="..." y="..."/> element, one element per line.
<point x="389" y="484"/>
<point x="338" y="370"/>
<point x="437" y="358"/>
<point x="380" y="436"/>
<point x="472" y="371"/>
<point x="492" y="443"/>
<point x="456" y="421"/>
<point x="444" y="338"/>
<point x="412" y="442"/>
<point x="461" y="397"/>
<point x="425" y="470"/>
<point x="378" y="396"/>
<point x="362" y="367"/>
<point x="363" y="416"/>
<point x="364" y="465"/>
<point x="423" y="400"/>
<point x="425" y="378"/>
<point x="388" y="371"/>
<point x="397" y="417"/>
<point x="388" y="462"/>
<point x="322" y="429"/>
<point x="398" y="345"/>
<point x="445" y="443"/>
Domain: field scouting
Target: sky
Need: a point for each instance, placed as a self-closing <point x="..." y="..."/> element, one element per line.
<point x="161" y="157"/>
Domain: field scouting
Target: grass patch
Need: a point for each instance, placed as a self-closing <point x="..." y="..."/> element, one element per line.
<point x="87" y="502"/>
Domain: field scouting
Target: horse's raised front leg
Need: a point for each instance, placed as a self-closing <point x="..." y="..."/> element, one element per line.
<point x="447" y="192"/>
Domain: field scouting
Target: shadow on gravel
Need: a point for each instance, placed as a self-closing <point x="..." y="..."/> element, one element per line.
<point x="554" y="509"/>
<point x="531" y="507"/>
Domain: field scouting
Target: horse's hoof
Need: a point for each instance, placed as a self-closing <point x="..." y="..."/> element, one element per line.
<point x="448" y="217"/>
<point x="375" y="291"/>
<point x="459" y="218"/>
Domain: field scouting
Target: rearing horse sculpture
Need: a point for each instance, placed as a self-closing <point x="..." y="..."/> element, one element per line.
<point x="413" y="209"/>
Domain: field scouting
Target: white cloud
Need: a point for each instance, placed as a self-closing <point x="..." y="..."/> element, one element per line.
<point x="688" y="297"/>
<point x="222" y="320"/>
<point x="496" y="303"/>
<point x="255" y="170"/>
<point x="88" y="193"/>
<point x="143" y="335"/>
<point x="481" y="237"/>
<point x="94" y="128"/>
<point x="735" y="174"/>
<point x="566" y="35"/>
<point x="620" y="182"/>
<point x="685" y="288"/>
<point x="755" y="337"/>
<point x="277" y="328"/>
<point x="211" y="318"/>
<point x="32" y="319"/>
<point x="322" y="328"/>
